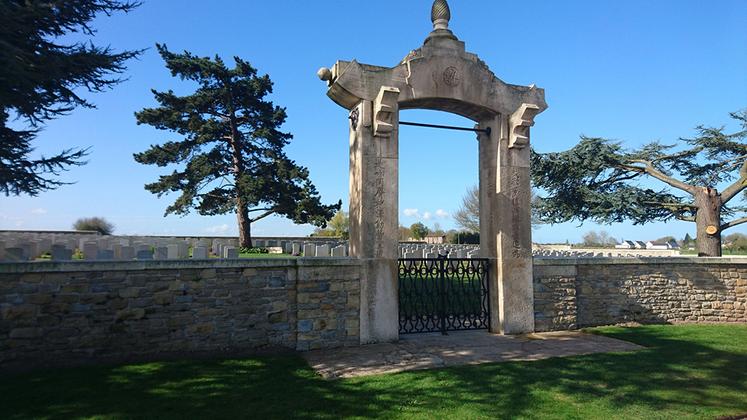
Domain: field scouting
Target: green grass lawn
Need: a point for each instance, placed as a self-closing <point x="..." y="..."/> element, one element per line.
<point x="724" y="252"/>
<point x="685" y="372"/>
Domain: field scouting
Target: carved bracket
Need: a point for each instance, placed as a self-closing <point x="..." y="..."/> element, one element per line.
<point x="519" y="124"/>
<point x="385" y="109"/>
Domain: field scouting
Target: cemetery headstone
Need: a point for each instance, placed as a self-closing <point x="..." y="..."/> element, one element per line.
<point x="90" y="250"/>
<point x="15" y="254"/>
<point x="322" y="250"/>
<point x="145" y="255"/>
<point x="199" y="253"/>
<point x="172" y="252"/>
<point x="231" y="253"/>
<point x="61" y="253"/>
<point x="127" y="253"/>
<point x="161" y="253"/>
<point x="105" y="254"/>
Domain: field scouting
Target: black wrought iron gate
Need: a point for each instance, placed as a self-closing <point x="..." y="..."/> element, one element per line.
<point x="443" y="295"/>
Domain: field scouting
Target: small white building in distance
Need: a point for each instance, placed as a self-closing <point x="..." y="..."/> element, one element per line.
<point x="631" y="245"/>
<point x="626" y="245"/>
<point x="662" y="245"/>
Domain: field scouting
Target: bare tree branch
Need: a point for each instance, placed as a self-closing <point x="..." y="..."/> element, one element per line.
<point x="262" y="216"/>
<point x="649" y="169"/>
<point x="672" y="205"/>
<point x="734" y="222"/>
<point x="740" y="184"/>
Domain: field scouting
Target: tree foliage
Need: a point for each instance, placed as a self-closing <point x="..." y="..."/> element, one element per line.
<point x="463" y="237"/>
<point x="736" y="242"/>
<point x="41" y="79"/>
<point x="600" y="180"/>
<point x="419" y="230"/>
<point x="468" y="215"/>
<point x="231" y="156"/>
<point x="404" y="233"/>
<point x="598" y="239"/>
<point x="97" y="224"/>
<point x="338" y="226"/>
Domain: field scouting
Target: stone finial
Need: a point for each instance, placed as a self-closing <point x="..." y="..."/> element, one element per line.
<point x="440" y="14"/>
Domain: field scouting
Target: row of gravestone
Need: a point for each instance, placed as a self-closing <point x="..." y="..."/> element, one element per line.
<point x="428" y="251"/>
<point x="587" y="254"/>
<point x="442" y="250"/>
<point x="124" y="248"/>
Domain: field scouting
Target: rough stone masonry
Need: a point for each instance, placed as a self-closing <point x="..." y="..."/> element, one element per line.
<point x="61" y="313"/>
<point x="575" y="293"/>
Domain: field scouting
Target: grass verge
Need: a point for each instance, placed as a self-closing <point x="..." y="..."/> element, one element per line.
<point x="687" y="371"/>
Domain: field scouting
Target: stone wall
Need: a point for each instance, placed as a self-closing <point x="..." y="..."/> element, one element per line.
<point x="60" y="313"/>
<point x="575" y="293"/>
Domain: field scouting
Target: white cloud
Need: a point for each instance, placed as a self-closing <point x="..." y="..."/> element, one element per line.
<point x="39" y="211"/>
<point x="427" y="215"/>
<point x="412" y="213"/>
<point x="219" y="229"/>
<point x="442" y="214"/>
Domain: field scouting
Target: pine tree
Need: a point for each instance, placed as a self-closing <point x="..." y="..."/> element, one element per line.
<point x="599" y="180"/>
<point x="231" y="158"/>
<point x="40" y="80"/>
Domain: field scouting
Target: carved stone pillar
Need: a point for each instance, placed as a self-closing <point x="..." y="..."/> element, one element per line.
<point x="374" y="221"/>
<point x="505" y="219"/>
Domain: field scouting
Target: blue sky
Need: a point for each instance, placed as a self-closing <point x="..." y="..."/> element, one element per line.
<point x="634" y="71"/>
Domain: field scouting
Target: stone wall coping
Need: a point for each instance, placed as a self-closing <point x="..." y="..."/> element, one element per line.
<point x="78" y="266"/>
<point x="552" y="261"/>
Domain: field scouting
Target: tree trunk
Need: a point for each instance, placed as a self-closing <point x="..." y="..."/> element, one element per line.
<point x="708" y="222"/>
<point x="242" y="211"/>
<point x="245" y="225"/>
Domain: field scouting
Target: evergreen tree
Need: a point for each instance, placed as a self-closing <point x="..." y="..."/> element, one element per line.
<point x="231" y="157"/>
<point x="598" y="180"/>
<point x="97" y="224"/>
<point x="687" y="241"/>
<point x="40" y="78"/>
<point x="419" y="230"/>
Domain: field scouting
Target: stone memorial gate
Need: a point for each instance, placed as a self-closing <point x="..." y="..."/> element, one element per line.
<point x="440" y="75"/>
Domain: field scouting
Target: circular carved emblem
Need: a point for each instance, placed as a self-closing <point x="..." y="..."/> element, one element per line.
<point x="711" y="230"/>
<point x="451" y="76"/>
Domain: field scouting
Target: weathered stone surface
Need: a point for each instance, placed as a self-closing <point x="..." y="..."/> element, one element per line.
<point x="578" y="293"/>
<point x="57" y="312"/>
<point x="428" y="351"/>
<point x="440" y="75"/>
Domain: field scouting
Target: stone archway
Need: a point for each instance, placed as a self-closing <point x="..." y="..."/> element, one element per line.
<point x="440" y="75"/>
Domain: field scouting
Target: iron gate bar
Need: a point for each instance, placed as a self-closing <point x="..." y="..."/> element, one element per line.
<point x="447" y="127"/>
<point x="440" y="295"/>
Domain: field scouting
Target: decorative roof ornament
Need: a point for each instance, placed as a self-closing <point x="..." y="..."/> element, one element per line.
<point x="440" y="15"/>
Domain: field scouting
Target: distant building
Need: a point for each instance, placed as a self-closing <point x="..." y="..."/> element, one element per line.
<point x="662" y="245"/>
<point x="626" y="245"/>
<point x="435" y="239"/>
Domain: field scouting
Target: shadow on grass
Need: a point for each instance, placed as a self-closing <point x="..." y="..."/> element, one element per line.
<point x="687" y="371"/>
